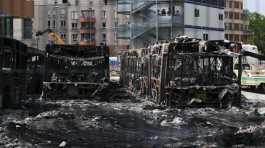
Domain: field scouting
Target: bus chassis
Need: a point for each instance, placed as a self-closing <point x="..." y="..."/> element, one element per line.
<point x="172" y="77"/>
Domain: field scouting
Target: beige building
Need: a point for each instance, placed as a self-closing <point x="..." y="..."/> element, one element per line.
<point x="236" y="22"/>
<point x="16" y="20"/>
<point x="17" y="8"/>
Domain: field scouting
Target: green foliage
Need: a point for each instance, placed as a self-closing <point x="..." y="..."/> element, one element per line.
<point x="257" y="25"/>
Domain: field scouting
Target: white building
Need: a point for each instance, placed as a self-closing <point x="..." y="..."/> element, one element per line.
<point x="158" y="20"/>
<point x="205" y="19"/>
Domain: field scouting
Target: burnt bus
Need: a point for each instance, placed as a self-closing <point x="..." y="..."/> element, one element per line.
<point x="186" y="72"/>
<point x="13" y="61"/>
<point x="35" y="72"/>
<point x="74" y="71"/>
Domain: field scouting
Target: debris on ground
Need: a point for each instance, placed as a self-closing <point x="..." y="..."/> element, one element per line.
<point x="119" y="121"/>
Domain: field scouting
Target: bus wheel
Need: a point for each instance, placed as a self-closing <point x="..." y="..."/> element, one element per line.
<point x="262" y="88"/>
<point x="227" y="101"/>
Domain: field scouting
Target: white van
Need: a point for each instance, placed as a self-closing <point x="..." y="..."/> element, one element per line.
<point x="253" y="72"/>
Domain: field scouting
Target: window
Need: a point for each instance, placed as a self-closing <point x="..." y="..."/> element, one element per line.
<point x="62" y="11"/>
<point x="230" y="26"/>
<point x="74" y="25"/>
<point x="106" y="2"/>
<point x="221" y="16"/>
<point x="236" y="4"/>
<point x="226" y="14"/>
<point x="205" y="36"/>
<point x="226" y="26"/>
<point x="49" y="23"/>
<point x="244" y="67"/>
<point x="104" y="24"/>
<point x="63" y="35"/>
<point x="104" y="13"/>
<point x="230" y="4"/>
<point x="7" y="60"/>
<point x="63" y="23"/>
<point x="91" y="3"/>
<point x="236" y="37"/>
<point x="236" y="15"/>
<point x="104" y="37"/>
<point x="231" y="37"/>
<point x="88" y="13"/>
<point x="236" y="26"/>
<point x="88" y="25"/>
<point x="53" y="24"/>
<point x="65" y="1"/>
<point x="27" y="29"/>
<point x="87" y="37"/>
<point x="76" y="2"/>
<point x="74" y="15"/>
<point x="241" y="5"/>
<point x="231" y="15"/>
<point x="163" y="12"/>
<point x="196" y="13"/>
<point x="74" y="37"/>
<point x="226" y="36"/>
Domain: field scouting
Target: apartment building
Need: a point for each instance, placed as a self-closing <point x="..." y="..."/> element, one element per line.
<point x="84" y="22"/>
<point x="158" y="20"/>
<point x="16" y="20"/>
<point x="236" y="22"/>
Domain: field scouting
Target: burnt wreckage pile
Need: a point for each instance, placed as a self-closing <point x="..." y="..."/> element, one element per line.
<point x="63" y="71"/>
<point x="182" y="73"/>
<point x="13" y="58"/>
<point x="73" y="71"/>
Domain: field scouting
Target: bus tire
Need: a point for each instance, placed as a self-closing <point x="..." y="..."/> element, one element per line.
<point x="262" y="88"/>
<point x="227" y="101"/>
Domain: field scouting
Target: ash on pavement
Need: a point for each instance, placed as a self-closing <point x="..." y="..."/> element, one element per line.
<point x="116" y="119"/>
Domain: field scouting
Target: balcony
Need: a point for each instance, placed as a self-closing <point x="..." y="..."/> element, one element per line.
<point x="87" y="30"/>
<point x="88" y="42"/>
<point x="87" y="20"/>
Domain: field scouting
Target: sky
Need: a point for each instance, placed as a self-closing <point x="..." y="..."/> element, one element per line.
<point x="255" y="6"/>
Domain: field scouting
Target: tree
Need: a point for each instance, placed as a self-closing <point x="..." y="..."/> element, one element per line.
<point x="257" y="25"/>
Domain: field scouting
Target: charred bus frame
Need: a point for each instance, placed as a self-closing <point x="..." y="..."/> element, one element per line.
<point x="35" y="72"/>
<point x="13" y="55"/>
<point x="182" y="74"/>
<point x="74" y="71"/>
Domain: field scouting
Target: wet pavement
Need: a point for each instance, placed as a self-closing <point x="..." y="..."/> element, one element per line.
<point x="120" y="120"/>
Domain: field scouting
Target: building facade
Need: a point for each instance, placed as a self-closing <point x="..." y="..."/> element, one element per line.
<point x="204" y="19"/>
<point x="17" y="8"/>
<point x="236" y="22"/>
<point x="149" y="21"/>
<point x="84" y="22"/>
<point x="157" y="20"/>
<point x="16" y="20"/>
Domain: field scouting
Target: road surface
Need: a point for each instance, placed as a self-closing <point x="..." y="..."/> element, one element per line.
<point x="125" y="121"/>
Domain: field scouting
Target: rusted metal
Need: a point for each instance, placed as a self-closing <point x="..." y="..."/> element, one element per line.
<point x="12" y="72"/>
<point x="68" y="71"/>
<point x="182" y="73"/>
<point x="73" y="71"/>
<point x="35" y="71"/>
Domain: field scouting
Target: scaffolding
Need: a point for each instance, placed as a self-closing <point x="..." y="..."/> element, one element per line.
<point x="149" y="21"/>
